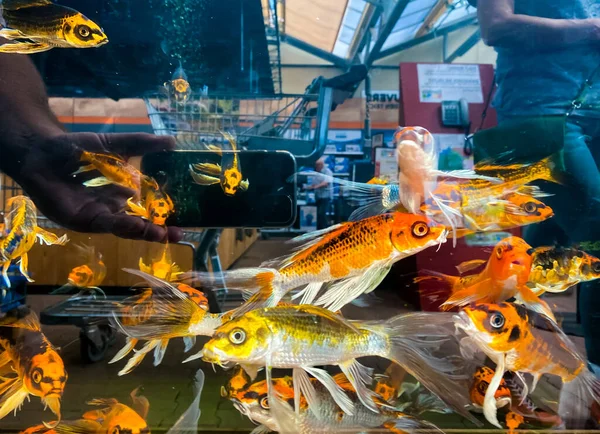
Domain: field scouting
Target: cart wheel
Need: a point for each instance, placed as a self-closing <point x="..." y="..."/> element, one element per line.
<point x="95" y="341"/>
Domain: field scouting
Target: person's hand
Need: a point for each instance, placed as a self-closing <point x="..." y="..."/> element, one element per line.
<point x="44" y="168"/>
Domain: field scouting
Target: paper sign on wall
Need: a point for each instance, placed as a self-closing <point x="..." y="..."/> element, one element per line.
<point x="441" y="82"/>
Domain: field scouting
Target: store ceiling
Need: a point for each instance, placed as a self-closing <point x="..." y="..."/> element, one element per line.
<point x="147" y="37"/>
<point x="338" y="27"/>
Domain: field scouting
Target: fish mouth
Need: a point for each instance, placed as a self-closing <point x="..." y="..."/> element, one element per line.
<point x="463" y="322"/>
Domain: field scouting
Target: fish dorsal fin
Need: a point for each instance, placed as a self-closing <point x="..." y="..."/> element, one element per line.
<point x="21" y="4"/>
<point x="466" y="266"/>
<point x="22" y="318"/>
<point x="329" y="315"/>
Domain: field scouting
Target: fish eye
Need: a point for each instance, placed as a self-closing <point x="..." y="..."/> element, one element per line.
<point x="116" y="430"/>
<point x="420" y="229"/>
<point x="237" y="336"/>
<point x="497" y="320"/>
<point x="530" y="207"/>
<point x="482" y="387"/>
<point x="596" y="267"/>
<point x="84" y="31"/>
<point x="499" y="252"/>
<point x="264" y="403"/>
<point x="37" y="375"/>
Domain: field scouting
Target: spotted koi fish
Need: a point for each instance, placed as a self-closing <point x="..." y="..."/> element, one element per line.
<point x="228" y="174"/>
<point x="20" y="234"/>
<point x="155" y="206"/>
<point x="29" y="364"/>
<point x="523" y="341"/>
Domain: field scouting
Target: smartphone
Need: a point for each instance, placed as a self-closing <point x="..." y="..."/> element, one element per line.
<point x="225" y="188"/>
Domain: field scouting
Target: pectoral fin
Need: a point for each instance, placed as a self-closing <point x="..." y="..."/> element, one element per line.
<point x="244" y="185"/>
<point x="97" y="182"/>
<point x="11" y="34"/>
<point x="215" y="149"/>
<point x="49" y="238"/>
<point x="136" y="209"/>
<point x="466" y="266"/>
<point x="203" y="179"/>
<point x="13" y="397"/>
<point x="360" y="376"/>
<point x="84" y="169"/>
<point x="24" y="47"/>
<point x="489" y="402"/>
<point x="212" y="169"/>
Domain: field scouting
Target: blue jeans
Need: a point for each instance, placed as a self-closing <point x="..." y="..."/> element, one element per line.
<point x="576" y="205"/>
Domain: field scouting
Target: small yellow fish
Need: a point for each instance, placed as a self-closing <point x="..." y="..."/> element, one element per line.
<point x="155" y="205"/>
<point x="29" y="364"/>
<point x="303" y="337"/>
<point x="228" y="173"/>
<point x="353" y="256"/>
<point x="20" y="233"/>
<point x="159" y="314"/>
<point x="179" y="87"/>
<point x="162" y="267"/>
<point x="40" y="25"/>
<point x="90" y="274"/>
<point x="523" y="341"/>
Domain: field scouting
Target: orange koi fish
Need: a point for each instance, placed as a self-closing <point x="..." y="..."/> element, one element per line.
<point x="179" y="87"/>
<point x="505" y="276"/>
<point x="556" y="269"/>
<point x="156" y="205"/>
<point x="88" y="276"/>
<point x="416" y="167"/>
<point x="304" y="337"/>
<point x="159" y="314"/>
<point x="354" y="256"/>
<point x="228" y="173"/>
<point x="114" y="170"/>
<point x="29" y="364"/>
<point x="253" y="401"/>
<point x="523" y="341"/>
<point x="20" y="233"/>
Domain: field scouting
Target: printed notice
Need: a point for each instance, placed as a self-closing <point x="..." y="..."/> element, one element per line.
<point x="440" y="82"/>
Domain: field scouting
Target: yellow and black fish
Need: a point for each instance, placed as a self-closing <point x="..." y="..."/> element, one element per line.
<point x="29" y="364"/>
<point x="228" y="173"/>
<point x="34" y="26"/>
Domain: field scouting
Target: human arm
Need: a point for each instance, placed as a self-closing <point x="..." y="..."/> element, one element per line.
<point x="502" y="27"/>
<point x="40" y="156"/>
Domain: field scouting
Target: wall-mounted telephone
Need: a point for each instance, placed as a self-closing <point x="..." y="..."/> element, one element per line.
<point x="455" y="113"/>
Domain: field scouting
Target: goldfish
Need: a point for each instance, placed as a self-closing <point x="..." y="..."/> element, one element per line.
<point x="114" y="170"/>
<point x="228" y="174"/>
<point x="29" y="364"/>
<point x="303" y="337"/>
<point x="20" y="233"/>
<point x="555" y="269"/>
<point x="160" y="313"/>
<point x="89" y="275"/>
<point x="254" y="402"/>
<point x="40" y="25"/>
<point x="523" y="341"/>
<point x="505" y="276"/>
<point x="156" y="205"/>
<point x="353" y="256"/>
<point x="179" y="87"/>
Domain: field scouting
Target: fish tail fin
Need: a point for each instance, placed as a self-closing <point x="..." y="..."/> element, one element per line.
<point x="412" y="338"/>
<point x="576" y="399"/>
<point x="266" y="292"/>
<point x="553" y="168"/>
<point x="262" y="285"/>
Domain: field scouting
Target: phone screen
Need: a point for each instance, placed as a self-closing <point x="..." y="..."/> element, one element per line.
<point x="227" y="189"/>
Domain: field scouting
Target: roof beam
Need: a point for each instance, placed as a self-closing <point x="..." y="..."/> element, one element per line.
<point x="432" y="17"/>
<point x="444" y="30"/>
<point x="469" y="43"/>
<point x="322" y="54"/>
<point x="389" y="21"/>
<point x="368" y="20"/>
